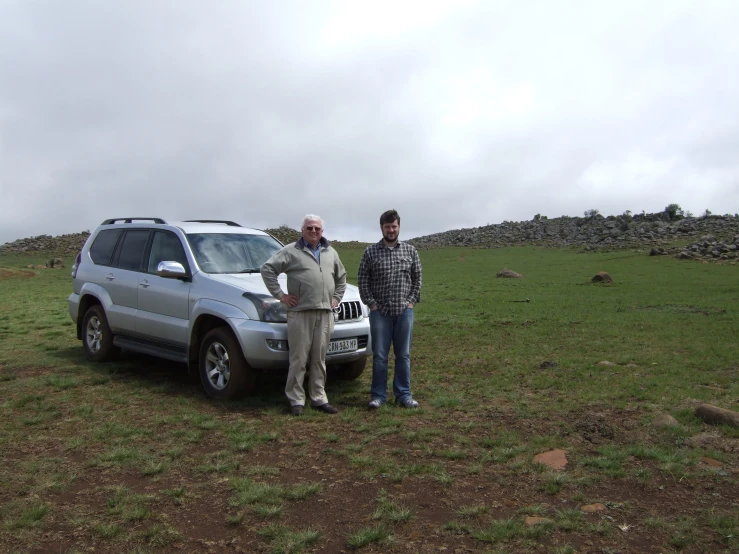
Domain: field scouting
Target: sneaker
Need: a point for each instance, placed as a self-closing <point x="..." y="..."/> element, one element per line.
<point x="375" y="403"/>
<point x="407" y="403"/>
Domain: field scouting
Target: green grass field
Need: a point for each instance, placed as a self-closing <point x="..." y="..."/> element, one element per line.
<point x="131" y="456"/>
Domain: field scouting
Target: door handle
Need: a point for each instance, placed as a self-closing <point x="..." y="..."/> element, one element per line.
<point x="109" y="277"/>
<point x="144" y="283"/>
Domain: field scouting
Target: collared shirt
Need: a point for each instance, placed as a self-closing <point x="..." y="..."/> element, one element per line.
<point x="390" y="277"/>
<point x="315" y="251"/>
<point x="322" y="243"/>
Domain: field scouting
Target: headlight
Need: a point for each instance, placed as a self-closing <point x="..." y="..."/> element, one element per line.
<point x="269" y="308"/>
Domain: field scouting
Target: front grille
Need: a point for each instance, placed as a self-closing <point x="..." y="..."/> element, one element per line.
<point x="362" y="341"/>
<point x="350" y="311"/>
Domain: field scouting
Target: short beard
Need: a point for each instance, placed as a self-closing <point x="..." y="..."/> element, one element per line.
<point x="387" y="240"/>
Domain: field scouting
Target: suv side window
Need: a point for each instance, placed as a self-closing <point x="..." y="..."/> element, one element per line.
<point x="132" y="249"/>
<point x="102" y="247"/>
<point x="166" y="247"/>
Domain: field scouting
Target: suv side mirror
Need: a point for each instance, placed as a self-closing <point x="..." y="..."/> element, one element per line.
<point x="171" y="270"/>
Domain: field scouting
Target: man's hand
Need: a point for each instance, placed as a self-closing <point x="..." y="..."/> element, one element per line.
<point x="289" y="300"/>
<point x="373" y="308"/>
<point x="410" y="305"/>
<point x="334" y="303"/>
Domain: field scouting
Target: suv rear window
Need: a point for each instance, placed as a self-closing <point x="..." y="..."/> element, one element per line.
<point x="132" y="250"/>
<point x="102" y="247"/>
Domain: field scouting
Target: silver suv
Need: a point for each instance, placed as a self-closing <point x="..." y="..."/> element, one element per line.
<point x="191" y="291"/>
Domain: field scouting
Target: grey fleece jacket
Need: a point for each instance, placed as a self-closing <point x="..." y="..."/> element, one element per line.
<point x="314" y="285"/>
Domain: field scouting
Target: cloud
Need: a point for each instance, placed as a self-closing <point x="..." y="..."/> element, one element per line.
<point x="457" y="114"/>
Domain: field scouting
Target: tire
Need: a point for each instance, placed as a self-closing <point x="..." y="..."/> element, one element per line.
<point x="223" y="369"/>
<point x="348" y="371"/>
<point x="97" y="338"/>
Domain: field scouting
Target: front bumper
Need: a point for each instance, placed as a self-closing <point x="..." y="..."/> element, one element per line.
<point x="253" y="336"/>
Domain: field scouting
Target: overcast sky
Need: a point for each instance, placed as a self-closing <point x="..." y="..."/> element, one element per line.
<point x="457" y="114"/>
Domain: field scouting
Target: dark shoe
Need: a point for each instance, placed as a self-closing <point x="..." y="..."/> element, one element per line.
<point x="296" y="410"/>
<point x="326" y="408"/>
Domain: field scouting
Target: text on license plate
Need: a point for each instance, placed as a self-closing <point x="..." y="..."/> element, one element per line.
<point x="345" y="345"/>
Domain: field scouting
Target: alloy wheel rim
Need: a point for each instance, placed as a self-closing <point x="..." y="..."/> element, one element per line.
<point x="94" y="334"/>
<point x="217" y="366"/>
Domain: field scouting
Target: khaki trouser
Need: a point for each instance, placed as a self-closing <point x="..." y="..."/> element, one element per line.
<point x="308" y="333"/>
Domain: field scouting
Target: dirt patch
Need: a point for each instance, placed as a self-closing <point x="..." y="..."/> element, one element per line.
<point x="15" y="273"/>
<point x="207" y="520"/>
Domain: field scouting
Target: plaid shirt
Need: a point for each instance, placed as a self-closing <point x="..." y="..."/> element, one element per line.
<point x="390" y="277"/>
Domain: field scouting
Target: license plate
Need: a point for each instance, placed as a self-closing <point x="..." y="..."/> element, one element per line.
<point x="345" y="345"/>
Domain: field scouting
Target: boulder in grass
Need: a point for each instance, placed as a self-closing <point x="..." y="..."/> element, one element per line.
<point x="510" y="274"/>
<point x="714" y="415"/>
<point x="602" y="277"/>
<point x="55" y="263"/>
<point x="665" y="420"/>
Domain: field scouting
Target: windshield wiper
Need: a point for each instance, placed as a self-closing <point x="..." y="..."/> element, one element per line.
<point x="252" y="270"/>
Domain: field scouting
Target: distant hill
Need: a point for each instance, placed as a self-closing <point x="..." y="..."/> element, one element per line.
<point x="588" y="233"/>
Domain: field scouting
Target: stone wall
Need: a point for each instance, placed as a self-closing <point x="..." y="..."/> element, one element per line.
<point x="62" y="245"/>
<point x="588" y="233"/>
<point x="70" y="245"/>
<point x="585" y="233"/>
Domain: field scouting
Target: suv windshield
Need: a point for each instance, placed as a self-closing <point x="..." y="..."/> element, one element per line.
<point x="232" y="252"/>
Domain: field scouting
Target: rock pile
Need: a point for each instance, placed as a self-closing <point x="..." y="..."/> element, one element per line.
<point x="709" y="247"/>
<point x="587" y="233"/>
<point x="70" y="245"/>
<point x="284" y="234"/>
<point x="62" y="245"/>
<point x="706" y="248"/>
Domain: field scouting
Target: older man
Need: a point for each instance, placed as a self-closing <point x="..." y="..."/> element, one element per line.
<point x="316" y="281"/>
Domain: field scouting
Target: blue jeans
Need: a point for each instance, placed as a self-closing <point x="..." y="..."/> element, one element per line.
<point x="397" y="329"/>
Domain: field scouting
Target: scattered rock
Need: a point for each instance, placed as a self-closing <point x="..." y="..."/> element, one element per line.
<point x="657" y="252"/>
<point x="592" y="508"/>
<point x="55" y="263"/>
<point x="606" y="363"/>
<point x="535" y="520"/>
<point x="631" y="365"/>
<point x="555" y="459"/>
<point x="665" y="420"/>
<point x="548" y="365"/>
<point x="710" y="462"/>
<point x="505" y="272"/>
<point x="602" y="277"/>
<point x="713" y="415"/>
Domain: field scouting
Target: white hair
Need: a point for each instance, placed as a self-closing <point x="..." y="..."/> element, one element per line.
<point x="311" y="217"/>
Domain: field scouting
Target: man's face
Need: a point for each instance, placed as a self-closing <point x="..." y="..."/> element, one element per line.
<point x="312" y="232"/>
<point x="390" y="231"/>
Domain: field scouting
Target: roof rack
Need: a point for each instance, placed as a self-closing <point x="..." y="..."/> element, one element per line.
<point x="132" y="219"/>
<point x="224" y="222"/>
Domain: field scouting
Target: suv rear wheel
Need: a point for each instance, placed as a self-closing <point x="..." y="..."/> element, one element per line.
<point x="97" y="338"/>
<point x="223" y="368"/>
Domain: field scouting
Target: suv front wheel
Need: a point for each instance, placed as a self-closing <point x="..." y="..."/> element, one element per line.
<point x="223" y="368"/>
<point x="97" y="337"/>
<point x="348" y="371"/>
